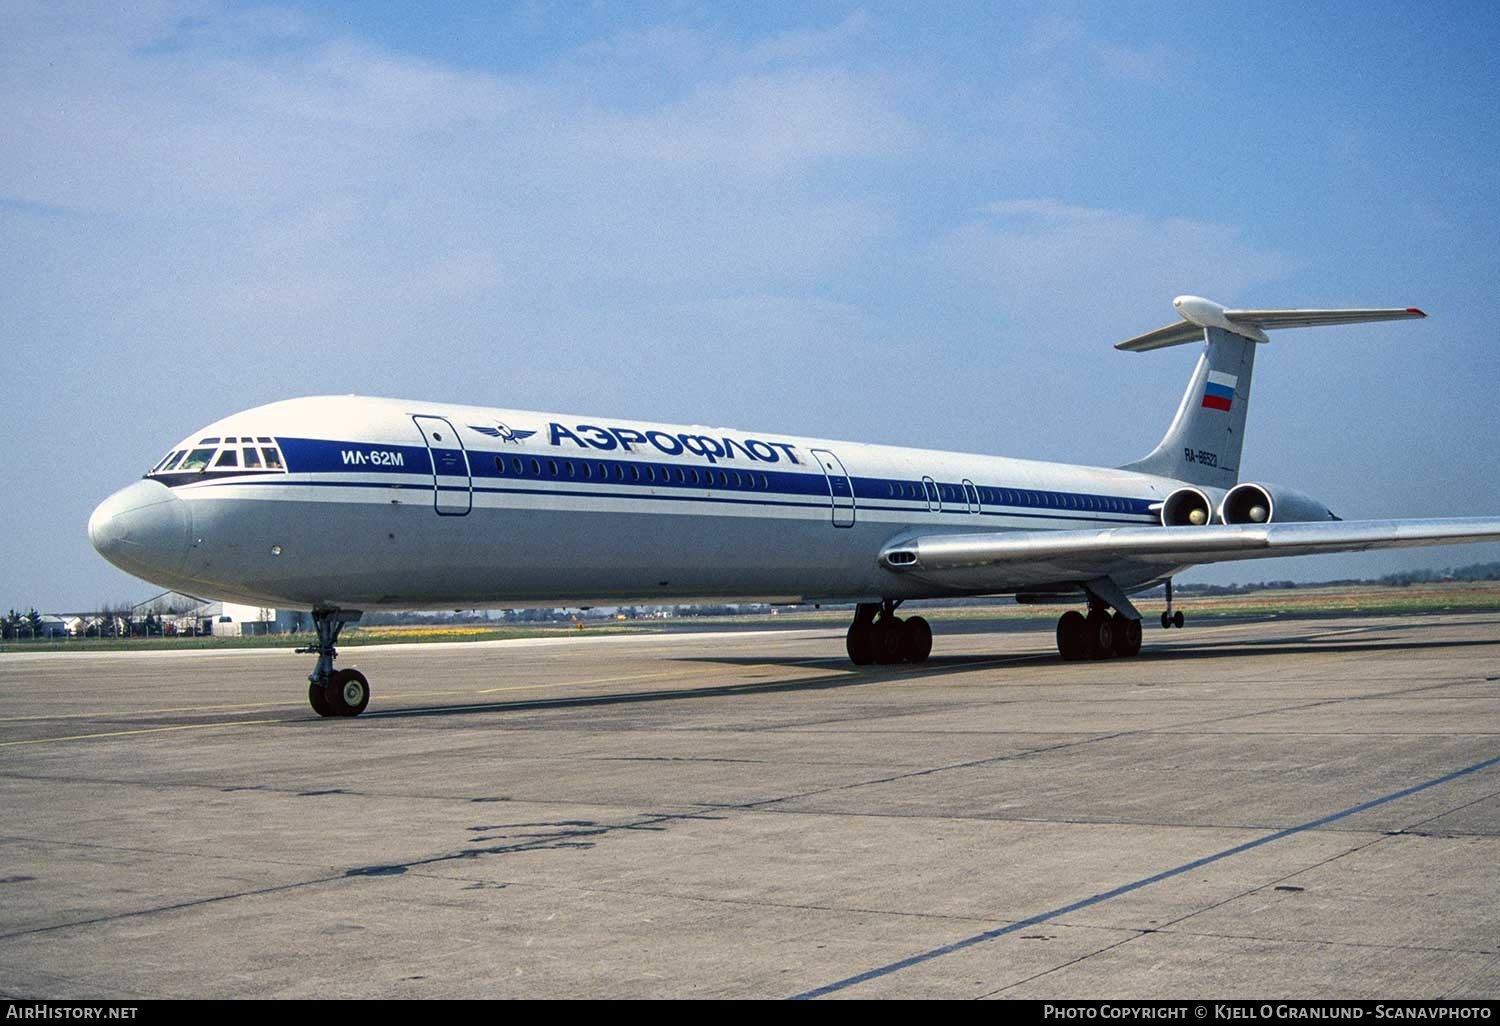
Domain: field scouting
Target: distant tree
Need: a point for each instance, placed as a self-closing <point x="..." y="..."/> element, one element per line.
<point x="34" y="623"/>
<point x="9" y="625"/>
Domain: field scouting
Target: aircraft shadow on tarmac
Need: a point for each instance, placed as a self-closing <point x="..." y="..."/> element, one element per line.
<point x="937" y="666"/>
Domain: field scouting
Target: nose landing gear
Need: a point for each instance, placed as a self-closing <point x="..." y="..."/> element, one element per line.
<point x="333" y="692"/>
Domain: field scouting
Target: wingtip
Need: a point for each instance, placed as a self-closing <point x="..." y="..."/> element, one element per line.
<point x="1415" y="312"/>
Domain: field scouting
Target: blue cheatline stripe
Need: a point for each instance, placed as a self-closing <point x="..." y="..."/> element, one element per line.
<point x="307" y="455"/>
<point x="304" y="455"/>
<point x="733" y="499"/>
<point x="1187" y="867"/>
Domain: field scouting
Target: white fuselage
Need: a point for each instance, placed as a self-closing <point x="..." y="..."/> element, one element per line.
<point x="360" y="503"/>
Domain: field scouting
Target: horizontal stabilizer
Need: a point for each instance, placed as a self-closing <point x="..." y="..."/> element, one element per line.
<point x="1198" y="314"/>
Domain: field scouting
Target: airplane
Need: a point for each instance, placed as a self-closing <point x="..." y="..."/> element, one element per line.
<point x="343" y="504"/>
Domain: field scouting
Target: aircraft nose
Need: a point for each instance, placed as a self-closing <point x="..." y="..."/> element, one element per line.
<point x="143" y="527"/>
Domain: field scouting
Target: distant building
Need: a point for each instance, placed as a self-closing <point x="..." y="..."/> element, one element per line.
<point x="183" y="614"/>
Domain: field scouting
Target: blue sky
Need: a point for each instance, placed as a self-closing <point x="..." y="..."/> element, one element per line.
<point x="851" y="221"/>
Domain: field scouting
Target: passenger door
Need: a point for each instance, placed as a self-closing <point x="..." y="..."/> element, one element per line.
<point x="840" y="488"/>
<point x="452" y="487"/>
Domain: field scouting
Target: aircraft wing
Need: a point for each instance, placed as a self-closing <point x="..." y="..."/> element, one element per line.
<point x="1013" y="559"/>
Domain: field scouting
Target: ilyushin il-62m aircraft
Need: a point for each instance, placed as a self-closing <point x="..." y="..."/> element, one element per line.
<point x="346" y="504"/>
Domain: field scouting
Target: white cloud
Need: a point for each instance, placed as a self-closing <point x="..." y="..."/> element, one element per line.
<point x="1050" y="253"/>
<point x="805" y="44"/>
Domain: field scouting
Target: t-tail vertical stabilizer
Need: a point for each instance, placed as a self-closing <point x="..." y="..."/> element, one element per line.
<point x="1203" y="445"/>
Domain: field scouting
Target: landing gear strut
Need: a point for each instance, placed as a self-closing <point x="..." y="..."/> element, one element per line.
<point x="1102" y="633"/>
<point x="334" y="692"/>
<point x="878" y="635"/>
<point x="1168" y="618"/>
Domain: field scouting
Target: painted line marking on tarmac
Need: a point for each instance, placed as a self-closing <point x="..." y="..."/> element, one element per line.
<point x="124" y="714"/>
<point x="1167" y="874"/>
<point x="142" y="730"/>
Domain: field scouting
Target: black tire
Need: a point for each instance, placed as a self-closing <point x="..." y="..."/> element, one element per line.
<point x="860" y="644"/>
<point x="348" y="693"/>
<point x="1127" y="640"/>
<point x="1099" y="635"/>
<point x="1178" y="618"/>
<point x="1166" y="621"/>
<point x="1070" y="635"/>
<point x="916" y="640"/>
<point x="317" y="697"/>
<point x="888" y="638"/>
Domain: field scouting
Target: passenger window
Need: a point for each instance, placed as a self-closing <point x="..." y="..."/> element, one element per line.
<point x="603" y="471"/>
<point x="273" y="459"/>
<point x="197" y="459"/>
<point x="619" y="472"/>
<point x="682" y="478"/>
<point x="499" y="464"/>
<point x="516" y="465"/>
<point x="228" y="458"/>
<point x="588" y="471"/>
<point x="695" y="476"/>
<point x="552" y="468"/>
<point x="568" y="466"/>
<point x="536" y="468"/>
<point x="765" y="482"/>
<point x="252" y="457"/>
<point x="635" y="471"/>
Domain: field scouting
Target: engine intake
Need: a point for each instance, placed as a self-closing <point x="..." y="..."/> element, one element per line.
<point x="1187" y="507"/>
<point x="1266" y="504"/>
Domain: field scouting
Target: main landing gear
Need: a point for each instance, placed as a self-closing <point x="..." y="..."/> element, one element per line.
<point x="334" y="692"/>
<point x="1101" y="634"/>
<point x="878" y="635"/>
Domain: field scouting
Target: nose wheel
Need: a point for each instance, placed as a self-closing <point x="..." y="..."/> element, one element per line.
<point x="333" y="692"/>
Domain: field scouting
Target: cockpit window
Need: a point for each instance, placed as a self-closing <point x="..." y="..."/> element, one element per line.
<point x="197" y="459"/>
<point x="233" y="456"/>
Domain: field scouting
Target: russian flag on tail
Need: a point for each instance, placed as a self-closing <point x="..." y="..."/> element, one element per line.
<point x="1218" y="394"/>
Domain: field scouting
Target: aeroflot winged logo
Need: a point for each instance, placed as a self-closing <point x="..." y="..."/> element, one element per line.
<point x="711" y="448"/>
<point x="502" y="432"/>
